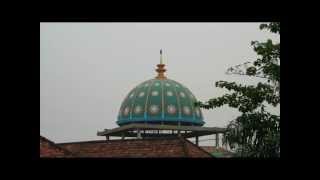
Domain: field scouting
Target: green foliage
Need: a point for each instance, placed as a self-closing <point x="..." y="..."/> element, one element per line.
<point x="255" y="133"/>
<point x="273" y="27"/>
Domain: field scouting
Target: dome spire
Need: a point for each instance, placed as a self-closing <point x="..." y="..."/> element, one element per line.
<point x="160" y="68"/>
<point x="161" y="58"/>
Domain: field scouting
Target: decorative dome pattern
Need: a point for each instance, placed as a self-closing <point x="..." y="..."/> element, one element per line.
<point x="158" y="101"/>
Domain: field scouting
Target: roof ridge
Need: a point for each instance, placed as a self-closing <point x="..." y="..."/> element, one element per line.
<point x="198" y="147"/>
<point x="56" y="145"/>
<point x="102" y="141"/>
<point x="77" y="142"/>
<point x="184" y="146"/>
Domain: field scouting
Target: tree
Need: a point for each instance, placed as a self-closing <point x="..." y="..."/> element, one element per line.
<point x="256" y="132"/>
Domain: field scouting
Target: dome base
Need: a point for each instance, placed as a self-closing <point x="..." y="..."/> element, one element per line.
<point x="162" y="122"/>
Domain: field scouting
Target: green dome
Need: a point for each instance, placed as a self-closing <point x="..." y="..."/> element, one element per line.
<point x="160" y="101"/>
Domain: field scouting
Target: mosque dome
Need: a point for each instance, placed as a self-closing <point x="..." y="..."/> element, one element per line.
<point x="160" y="101"/>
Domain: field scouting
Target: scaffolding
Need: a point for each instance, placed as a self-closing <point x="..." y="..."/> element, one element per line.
<point x="145" y="131"/>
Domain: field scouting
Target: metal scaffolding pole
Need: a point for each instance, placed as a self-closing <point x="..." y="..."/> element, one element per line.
<point x="217" y="139"/>
<point x="197" y="140"/>
<point x="138" y="134"/>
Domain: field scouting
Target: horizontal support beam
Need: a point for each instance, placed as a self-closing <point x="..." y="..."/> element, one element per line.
<point x="195" y="130"/>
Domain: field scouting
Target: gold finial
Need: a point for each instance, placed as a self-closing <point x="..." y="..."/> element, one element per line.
<point x="160" y="68"/>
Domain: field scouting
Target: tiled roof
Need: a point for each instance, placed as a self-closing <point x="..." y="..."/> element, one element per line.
<point x="136" y="148"/>
<point x="50" y="149"/>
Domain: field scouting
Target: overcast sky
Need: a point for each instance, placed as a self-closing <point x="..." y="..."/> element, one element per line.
<point x="87" y="69"/>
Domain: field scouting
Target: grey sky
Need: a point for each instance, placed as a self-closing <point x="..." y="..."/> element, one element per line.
<point x="87" y="69"/>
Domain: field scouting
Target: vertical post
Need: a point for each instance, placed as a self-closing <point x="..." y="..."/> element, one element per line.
<point x="225" y="140"/>
<point x="107" y="138"/>
<point x="122" y="136"/>
<point x="138" y="134"/>
<point x="179" y="135"/>
<point x="197" y="140"/>
<point x="217" y="139"/>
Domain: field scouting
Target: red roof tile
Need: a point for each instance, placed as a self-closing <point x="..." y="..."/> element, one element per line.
<point x="49" y="149"/>
<point x="137" y="148"/>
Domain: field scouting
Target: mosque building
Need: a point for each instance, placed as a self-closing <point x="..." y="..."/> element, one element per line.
<point x="156" y="119"/>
